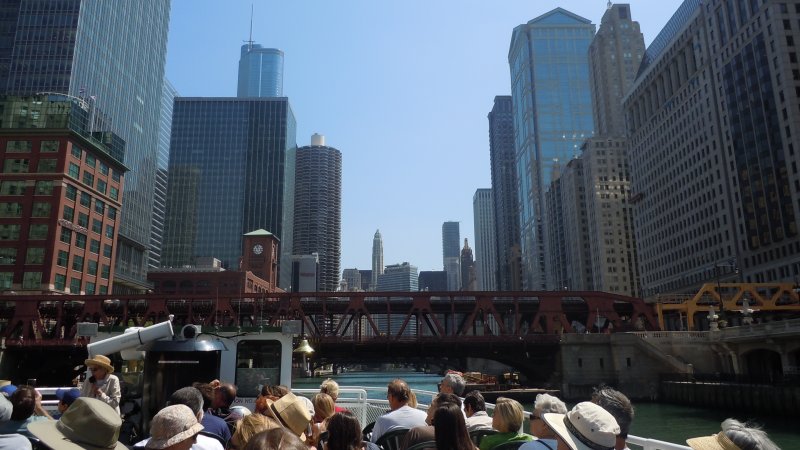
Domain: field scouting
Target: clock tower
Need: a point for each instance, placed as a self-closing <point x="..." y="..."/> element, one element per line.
<point x="260" y="255"/>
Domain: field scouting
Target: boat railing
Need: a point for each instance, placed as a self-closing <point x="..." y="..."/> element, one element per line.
<point x="635" y="442"/>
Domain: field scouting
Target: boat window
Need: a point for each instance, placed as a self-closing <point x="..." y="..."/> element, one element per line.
<point x="258" y="363"/>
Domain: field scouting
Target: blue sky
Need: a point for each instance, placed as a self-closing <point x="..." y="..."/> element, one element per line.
<point x="402" y="88"/>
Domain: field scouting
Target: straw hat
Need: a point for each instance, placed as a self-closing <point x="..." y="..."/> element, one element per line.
<point x="171" y="425"/>
<point x="586" y="427"/>
<point x="716" y="442"/>
<point x="88" y="424"/>
<point x="291" y="412"/>
<point x="4" y="382"/>
<point x="100" y="361"/>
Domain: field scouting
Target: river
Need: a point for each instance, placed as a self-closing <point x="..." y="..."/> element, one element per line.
<point x="664" y="422"/>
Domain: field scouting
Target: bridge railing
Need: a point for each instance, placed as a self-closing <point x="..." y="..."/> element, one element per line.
<point x="766" y="329"/>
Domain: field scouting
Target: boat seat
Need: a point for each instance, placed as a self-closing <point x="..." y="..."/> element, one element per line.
<point x="392" y="440"/>
<point x="511" y="445"/>
<point x="477" y="435"/>
<point x="366" y="433"/>
<point x="423" y="445"/>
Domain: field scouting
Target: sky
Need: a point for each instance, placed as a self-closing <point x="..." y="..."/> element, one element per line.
<point x="401" y="87"/>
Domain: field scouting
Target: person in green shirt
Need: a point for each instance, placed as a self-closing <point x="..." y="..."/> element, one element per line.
<point x="507" y="419"/>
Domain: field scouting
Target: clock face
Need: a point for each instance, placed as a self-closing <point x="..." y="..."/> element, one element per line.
<point x="258" y="249"/>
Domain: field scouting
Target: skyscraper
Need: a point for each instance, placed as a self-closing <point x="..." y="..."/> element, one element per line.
<point x="399" y="277"/>
<point x="352" y="277"/>
<point x="469" y="280"/>
<point x="451" y="254"/>
<point x="232" y="168"/>
<point x="505" y="197"/>
<point x="485" y="240"/>
<point x="162" y="176"/>
<point x="377" y="259"/>
<point x="552" y="112"/>
<point x="714" y="139"/>
<point x="112" y="54"/>
<point x="260" y="72"/>
<point x="318" y="208"/>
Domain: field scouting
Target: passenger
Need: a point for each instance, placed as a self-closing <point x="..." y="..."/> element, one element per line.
<point x="344" y="432"/>
<point x="26" y="404"/>
<point x="174" y="428"/>
<point x="412" y="399"/>
<point x="452" y="383"/>
<point x="65" y="398"/>
<point x="331" y="388"/>
<point x="734" y="435"/>
<point x="14" y="441"/>
<point x="211" y="423"/>
<point x="587" y="426"/>
<point x="427" y="432"/>
<point x="249" y="427"/>
<point x="193" y="399"/>
<point x="401" y="415"/>
<point x="87" y="424"/>
<point x="103" y="384"/>
<point x="544" y="404"/>
<point x="292" y="413"/>
<point x="620" y="407"/>
<point x="475" y="410"/>
<point x="323" y="407"/>
<point x="507" y="420"/>
<point x="451" y="430"/>
<point x="275" y="439"/>
<point x="224" y="396"/>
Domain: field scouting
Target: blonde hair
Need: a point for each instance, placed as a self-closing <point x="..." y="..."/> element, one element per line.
<point x="323" y="406"/>
<point x="509" y="414"/>
<point x="250" y="426"/>
<point x="412" y="399"/>
<point x="331" y="388"/>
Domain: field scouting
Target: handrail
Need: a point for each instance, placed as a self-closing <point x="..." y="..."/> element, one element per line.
<point x="654" y="444"/>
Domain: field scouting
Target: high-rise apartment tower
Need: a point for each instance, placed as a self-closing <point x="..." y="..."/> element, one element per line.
<point x="377" y="259"/>
<point x="485" y="240"/>
<point x="260" y="72"/>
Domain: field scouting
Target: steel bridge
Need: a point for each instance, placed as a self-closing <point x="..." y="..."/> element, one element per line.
<point x="331" y="318"/>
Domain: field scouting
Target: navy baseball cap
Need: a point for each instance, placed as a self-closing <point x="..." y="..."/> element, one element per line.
<point x="68" y="395"/>
<point x="8" y="389"/>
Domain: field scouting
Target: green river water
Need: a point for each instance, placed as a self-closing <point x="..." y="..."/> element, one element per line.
<point x="672" y="423"/>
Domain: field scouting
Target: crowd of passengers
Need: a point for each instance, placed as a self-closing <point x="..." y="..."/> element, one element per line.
<point x="203" y="417"/>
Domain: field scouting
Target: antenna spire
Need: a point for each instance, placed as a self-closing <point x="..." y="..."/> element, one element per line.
<point x="250" y="41"/>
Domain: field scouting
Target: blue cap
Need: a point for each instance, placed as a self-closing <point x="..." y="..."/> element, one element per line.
<point x="8" y="389"/>
<point x="67" y="396"/>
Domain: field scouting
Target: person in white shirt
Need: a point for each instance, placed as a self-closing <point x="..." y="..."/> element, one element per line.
<point x="475" y="410"/>
<point x="401" y="415"/>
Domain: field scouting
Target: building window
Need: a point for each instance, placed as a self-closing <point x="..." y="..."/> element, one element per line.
<point x="107" y="251"/>
<point x="109" y="231"/>
<point x="103" y="290"/>
<point x="90" y="160"/>
<point x="103" y="168"/>
<point x="97" y="226"/>
<point x="112" y="213"/>
<point x="86" y="199"/>
<point x="74" y="170"/>
<point x="44" y="188"/>
<point x="75" y="285"/>
<point x="47" y="165"/>
<point x="19" y="146"/>
<point x="80" y="240"/>
<point x="41" y="209"/>
<point x="61" y="282"/>
<point x="99" y="207"/>
<point x="83" y="219"/>
<point x="89" y="288"/>
<point x="6" y="279"/>
<point x="88" y="179"/>
<point x="63" y="258"/>
<point x="37" y="231"/>
<point x="15" y="166"/>
<point x="94" y="246"/>
<point x="77" y="263"/>
<point x="115" y="175"/>
<point x="71" y="192"/>
<point x="114" y="193"/>
<point x="101" y="186"/>
<point x="8" y="255"/>
<point x="9" y="232"/>
<point x="68" y="214"/>
<point x="105" y="271"/>
<point x="91" y="267"/>
<point x="66" y="235"/>
<point x="76" y="151"/>
<point x="12" y="188"/>
<point x="32" y="280"/>
<point x="49" y="146"/>
<point x="34" y="255"/>
<point x="10" y="209"/>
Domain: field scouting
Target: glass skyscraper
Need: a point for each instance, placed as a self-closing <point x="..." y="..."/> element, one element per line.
<point x="260" y="72"/>
<point x="162" y="175"/>
<point x="112" y="54"/>
<point x="552" y="109"/>
<point x="232" y="166"/>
